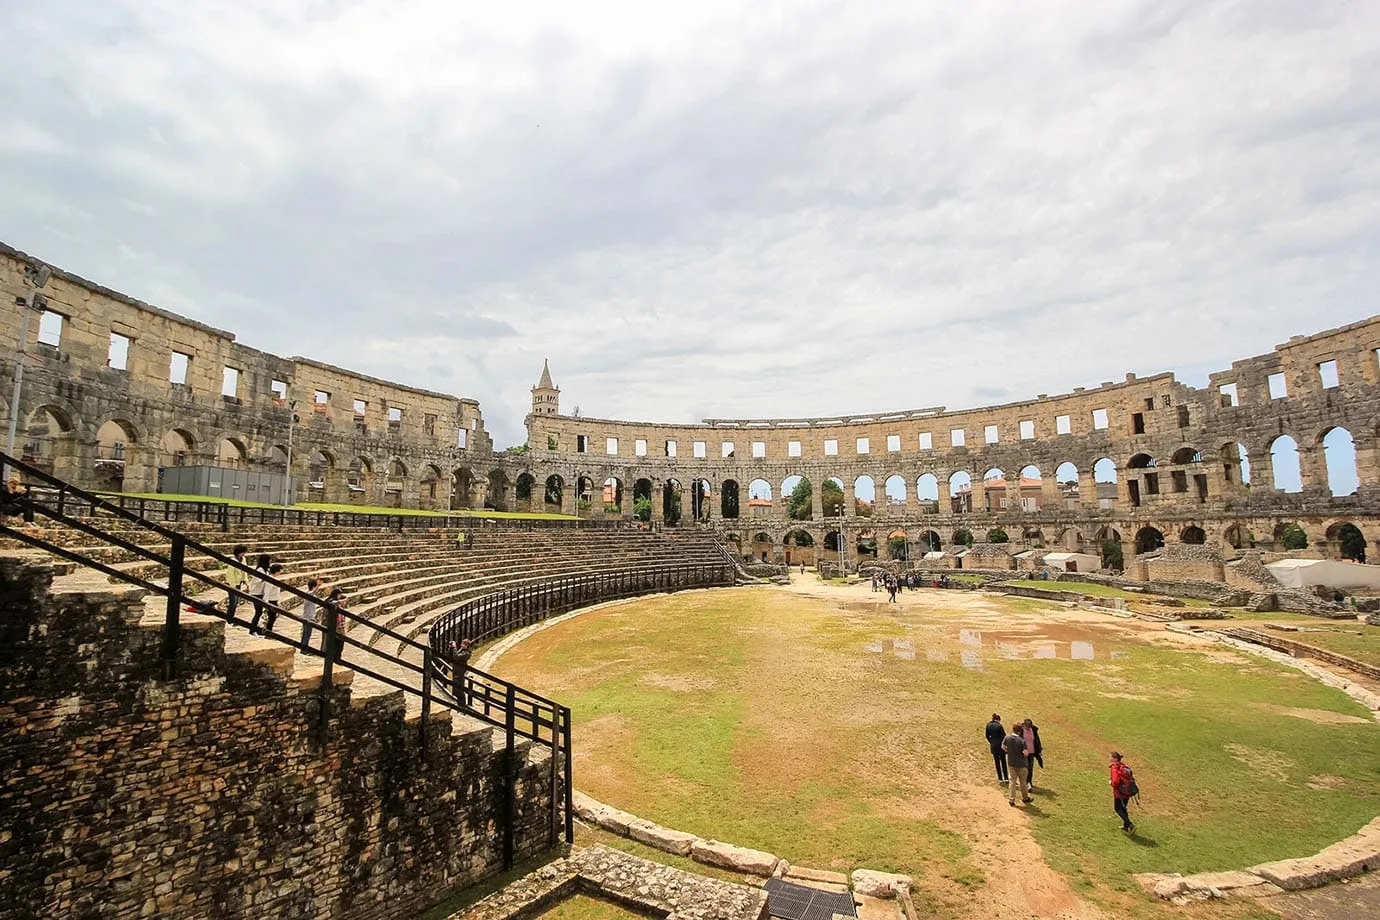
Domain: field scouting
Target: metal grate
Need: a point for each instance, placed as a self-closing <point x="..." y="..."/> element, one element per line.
<point x="789" y="901"/>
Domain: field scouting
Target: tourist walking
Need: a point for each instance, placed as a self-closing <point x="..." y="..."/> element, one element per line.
<point x="1016" y="766"/>
<point x="890" y="590"/>
<point x="272" y="594"/>
<point x="255" y="590"/>
<point x="334" y="646"/>
<point x="1123" y="783"/>
<point x="234" y="579"/>
<point x="1034" y="751"/>
<point x="311" y="610"/>
<point x="995" y="733"/>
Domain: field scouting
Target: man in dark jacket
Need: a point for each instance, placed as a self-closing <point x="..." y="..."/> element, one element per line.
<point x="995" y="732"/>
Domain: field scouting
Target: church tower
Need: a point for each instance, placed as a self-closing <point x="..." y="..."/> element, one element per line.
<point x="546" y="396"/>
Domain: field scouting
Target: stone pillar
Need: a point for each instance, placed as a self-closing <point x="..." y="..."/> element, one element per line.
<point x="1013" y="495"/>
<point x="849" y="500"/>
<point x="658" y="499"/>
<point x="817" y="501"/>
<point x="1313" y="468"/>
<point x="710" y="513"/>
<point x="1087" y="488"/>
<point x="1050" y="496"/>
<point x="1367" y="463"/>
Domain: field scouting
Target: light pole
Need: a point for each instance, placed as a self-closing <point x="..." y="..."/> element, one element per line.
<point x="287" y="486"/>
<point x="36" y="276"/>
<point x="843" y="564"/>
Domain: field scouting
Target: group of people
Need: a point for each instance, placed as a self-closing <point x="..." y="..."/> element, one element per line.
<point x="261" y="586"/>
<point x="895" y="584"/>
<point x="1015" y="753"/>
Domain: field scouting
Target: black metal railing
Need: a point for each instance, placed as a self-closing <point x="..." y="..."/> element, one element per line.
<point x="486" y="618"/>
<point x="437" y="680"/>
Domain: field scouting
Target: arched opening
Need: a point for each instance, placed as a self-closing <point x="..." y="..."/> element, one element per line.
<point x="1284" y="461"/>
<point x="700" y="498"/>
<point x="496" y="497"/>
<point x="832" y="541"/>
<point x="799" y="494"/>
<point x="320" y="465"/>
<point x="761" y="547"/>
<point x="866" y="544"/>
<point x="994" y="490"/>
<point x="961" y="492"/>
<point x="864" y="496"/>
<point x="1233" y="537"/>
<point x="929" y="541"/>
<point x="231" y="452"/>
<point x="430" y="485"/>
<point x="898" y="545"/>
<point x="759" y="498"/>
<point x="1236" y="464"/>
<point x="47" y="438"/>
<point x="397" y="481"/>
<point x="553" y="496"/>
<point x="1345" y="541"/>
<point x="1109" y="548"/>
<point x="962" y="537"/>
<point x="1066" y="475"/>
<point x="1185" y="455"/>
<point x="1339" y="454"/>
<point x="1148" y="539"/>
<point x="1032" y="488"/>
<point x="927" y="493"/>
<point x="1141" y="462"/>
<point x="613" y="495"/>
<point x="670" y="502"/>
<point x="276" y="458"/>
<point x="831" y="497"/>
<point x="1193" y="535"/>
<point x="1288" y="535"/>
<point x="728" y="499"/>
<point x="895" y="490"/>
<point x="359" y="478"/>
<point x="522" y="491"/>
<point x="113" y="441"/>
<point x="462" y="489"/>
<point x="642" y="499"/>
<point x="1105" y="479"/>
<point x="800" y="548"/>
<point x="585" y="494"/>
<point x="176" y="448"/>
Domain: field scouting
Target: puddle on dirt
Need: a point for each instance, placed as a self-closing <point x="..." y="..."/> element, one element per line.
<point x="977" y="645"/>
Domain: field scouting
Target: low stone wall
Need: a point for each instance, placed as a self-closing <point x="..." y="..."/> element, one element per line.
<point x="125" y="796"/>
<point x="1304" y="650"/>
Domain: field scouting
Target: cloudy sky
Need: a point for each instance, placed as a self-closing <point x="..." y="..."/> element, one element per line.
<point x="710" y="209"/>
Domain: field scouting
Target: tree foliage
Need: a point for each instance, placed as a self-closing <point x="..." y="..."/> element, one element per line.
<point x="642" y="508"/>
<point x="963" y="537"/>
<point x="798" y="503"/>
<point x="831" y="498"/>
<point x="896" y="546"/>
<point x="997" y="535"/>
<point x="1293" y="537"/>
<point x="1111" y="553"/>
<point x="1351" y="542"/>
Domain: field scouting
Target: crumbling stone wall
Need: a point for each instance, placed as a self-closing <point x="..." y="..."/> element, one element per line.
<point x="122" y="796"/>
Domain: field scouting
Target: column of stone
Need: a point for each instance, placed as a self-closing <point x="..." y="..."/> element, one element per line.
<point x="1313" y="468"/>
<point x="1050" y="496"/>
<point x="658" y="501"/>
<point x="1013" y="493"/>
<point x="817" y="500"/>
<point x="1087" y="488"/>
<point x="849" y="500"/>
<point x="1367" y="463"/>
<point x="709" y="500"/>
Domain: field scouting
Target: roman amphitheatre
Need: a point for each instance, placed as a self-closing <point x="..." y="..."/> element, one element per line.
<point x="636" y="667"/>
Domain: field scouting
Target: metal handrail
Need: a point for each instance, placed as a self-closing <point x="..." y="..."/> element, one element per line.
<point x="436" y="681"/>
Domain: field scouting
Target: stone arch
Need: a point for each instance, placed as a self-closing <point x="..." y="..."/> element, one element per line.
<point x="799" y="546"/>
<point x="1346" y="541"/>
<point x="430" y="485"/>
<point x="115" y="439"/>
<point x="320" y="464"/>
<point x="762" y="547"/>
<point x="929" y="541"/>
<point x="642" y="499"/>
<point x="359" y="477"/>
<point x="522" y="490"/>
<point x="1148" y="539"/>
<point x="496" y="494"/>
<point x="832" y="496"/>
<point x="832" y="540"/>
<point x="1278" y="536"/>
<point x="701" y="495"/>
<point x="586" y="494"/>
<point x="1236" y="464"/>
<point x="1193" y="535"/>
<point x="894" y="488"/>
<point x="1284" y="464"/>
<point x="1233" y="537"/>
<point x="1033" y="536"/>
<point x="864" y="495"/>
<point x="994" y="489"/>
<point x="611" y="495"/>
<point x="462" y="488"/>
<point x="553" y="496"/>
<point x="231" y="452"/>
<point x="897" y="545"/>
<point x="276" y="457"/>
<point x="728" y="499"/>
<point x="927" y="493"/>
<point x="865" y="543"/>
<point x="1339" y="461"/>
<point x="176" y="448"/>
<point x="802" y="511"/>
<point x="1186" y="455"/>
<point x="1108" y="540"/>
<point x="1066" y="476"/>
<point x="961" y="492"/>
<point x="1141" y="461"/>
<point x="48" y="438"/>
<point x="396" y="484"/>
<point x="671" y="502"/>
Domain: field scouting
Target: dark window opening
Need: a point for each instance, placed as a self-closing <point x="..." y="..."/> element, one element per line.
<point x="1183" y="416"/>
<point x="1180" y="481"/>
<point x="1138" y="423"/>
<point x="1152" y="483"/>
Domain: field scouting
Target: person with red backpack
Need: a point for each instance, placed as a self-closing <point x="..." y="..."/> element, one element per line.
<point x="1124" y="788"/>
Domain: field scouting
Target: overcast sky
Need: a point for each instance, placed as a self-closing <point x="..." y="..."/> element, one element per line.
<point x="710" y="208"/>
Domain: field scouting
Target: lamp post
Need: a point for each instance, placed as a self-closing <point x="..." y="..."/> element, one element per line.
<point x="287" y="486"/>
<point x="36" y="276"/>
<point x="843" y="564"/>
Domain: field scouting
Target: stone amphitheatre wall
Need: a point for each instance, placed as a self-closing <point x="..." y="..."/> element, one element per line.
<point x="211" y="795"/>
<point x="1175" y="449"/>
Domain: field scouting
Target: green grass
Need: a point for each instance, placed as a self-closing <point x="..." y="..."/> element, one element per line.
<point x="1354" y="640"/>
<point x="358" y="509"/>
<point x="1095" y="590"/>
<point x="760" y="718"/>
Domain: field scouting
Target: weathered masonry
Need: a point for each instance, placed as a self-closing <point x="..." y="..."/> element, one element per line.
<point x="116" y="389"/>
<point x="1286" y="437"/>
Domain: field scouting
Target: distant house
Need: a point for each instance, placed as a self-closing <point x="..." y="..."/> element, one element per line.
<point x="1032" y="494"/>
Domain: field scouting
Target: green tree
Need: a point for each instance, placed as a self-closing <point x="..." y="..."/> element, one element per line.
<point x="831" y="498"/>
<point x="963" y="537"/>
<point x="522" y="448"/>
<point x="799" y="502"/>
<point x="1111" y="553"/>
<point x="997" y="535"/>
<point x="1351" y="542"/>
<point x="1293" y="537"/>
<point x="673" y="509"/>
<point x="896" y="546"/>
<point x="642" y="508"/>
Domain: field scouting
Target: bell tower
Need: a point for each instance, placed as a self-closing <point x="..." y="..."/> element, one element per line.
<point x="546" y="396"/>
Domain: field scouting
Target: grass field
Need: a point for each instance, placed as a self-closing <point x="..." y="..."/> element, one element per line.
<point x="840" y="731"/>
<point x="1095" y="590"/>
<point x="358" y="509"/>
<point x="1352" y="639"/>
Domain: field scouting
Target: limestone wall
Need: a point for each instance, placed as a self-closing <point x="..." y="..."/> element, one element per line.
<point x="122" y="796"/>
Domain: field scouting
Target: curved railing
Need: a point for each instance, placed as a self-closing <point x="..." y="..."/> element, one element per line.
<point x="486" y="618"/>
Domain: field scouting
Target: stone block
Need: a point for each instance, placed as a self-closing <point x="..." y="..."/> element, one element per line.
<point x="736" y="859"/>
<point x="880" y="884"/>
<point x="661" y="838"/>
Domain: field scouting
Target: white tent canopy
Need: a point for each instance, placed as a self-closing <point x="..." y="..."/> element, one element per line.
<point x="1305" y="573"/>
<point x="1073" y="562"/>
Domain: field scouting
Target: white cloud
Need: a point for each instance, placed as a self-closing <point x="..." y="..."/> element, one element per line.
<point x="715" y="208"/>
